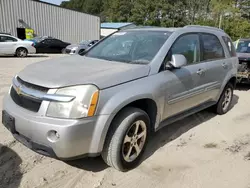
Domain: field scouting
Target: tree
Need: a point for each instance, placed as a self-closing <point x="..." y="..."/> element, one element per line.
<point x="231" y="15"/>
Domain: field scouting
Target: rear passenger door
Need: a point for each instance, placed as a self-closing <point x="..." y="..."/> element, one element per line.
<point x="217" y="67"/>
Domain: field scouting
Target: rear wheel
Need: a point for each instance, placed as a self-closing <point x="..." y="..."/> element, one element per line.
<point x="127" y="139"/>
<point x="225" y="100"/>
<point x="21" y="52"/>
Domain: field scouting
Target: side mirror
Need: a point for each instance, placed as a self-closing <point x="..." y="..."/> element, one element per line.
<point x="177" y="61"/>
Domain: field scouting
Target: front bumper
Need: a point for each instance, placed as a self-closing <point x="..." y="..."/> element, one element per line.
<point x="32" y="129"/>
<point x="70" y="51"/>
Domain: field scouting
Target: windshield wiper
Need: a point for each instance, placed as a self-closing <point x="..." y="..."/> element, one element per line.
<point x="142" y="62"/>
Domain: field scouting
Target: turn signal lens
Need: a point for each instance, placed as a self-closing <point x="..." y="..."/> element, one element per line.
<point x="93" y="104"/>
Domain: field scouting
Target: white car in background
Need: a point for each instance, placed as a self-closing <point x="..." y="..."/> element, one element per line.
<point x="10" y="45"/>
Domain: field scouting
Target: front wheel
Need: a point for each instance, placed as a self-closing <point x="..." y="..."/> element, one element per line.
<point x="225" y="100"/>
<point x="127" y="139"/>
<point x="81" y="51"/>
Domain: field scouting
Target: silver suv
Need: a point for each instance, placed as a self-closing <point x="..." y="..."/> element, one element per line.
<point x="109" y="100"/>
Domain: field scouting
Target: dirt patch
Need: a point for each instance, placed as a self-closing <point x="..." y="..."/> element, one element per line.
<point x="239" y="144"/>
<point x="210" y="145"/>
<point x="247" y="156"/>
<point x="10" y="173"/>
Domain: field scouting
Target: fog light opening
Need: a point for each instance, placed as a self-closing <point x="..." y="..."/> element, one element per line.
<point x="53" y="136"/>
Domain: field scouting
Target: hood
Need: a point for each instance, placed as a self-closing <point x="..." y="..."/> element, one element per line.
<point x="76" y="70"/>
<point x="72" y="46"/>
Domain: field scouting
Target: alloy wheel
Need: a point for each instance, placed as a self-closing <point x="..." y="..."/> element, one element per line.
<point x="134" y="141"/>
<point x="227" y="99"/>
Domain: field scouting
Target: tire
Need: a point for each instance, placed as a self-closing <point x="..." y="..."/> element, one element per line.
<point x="63" y="51"/>
<point x="227" y="95"/>
<point x="21" y="52"/>
<point x="116" y="148"/>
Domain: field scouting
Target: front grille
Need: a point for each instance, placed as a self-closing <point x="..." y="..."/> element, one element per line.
<point x="32" y="86"/>
<point x="25" y="102"/>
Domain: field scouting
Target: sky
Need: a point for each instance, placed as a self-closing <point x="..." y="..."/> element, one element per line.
<point x="57" y="2"/>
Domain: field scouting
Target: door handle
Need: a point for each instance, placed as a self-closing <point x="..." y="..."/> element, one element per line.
<point x="224" y="65"/>
<point x="200" y="71"/>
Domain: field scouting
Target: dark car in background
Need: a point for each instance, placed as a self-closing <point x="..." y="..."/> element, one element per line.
<point x="243" y="53"/>
<point x="38" y="39"/>
<point x="50" y="45"/>
<point x="79" y="48"/>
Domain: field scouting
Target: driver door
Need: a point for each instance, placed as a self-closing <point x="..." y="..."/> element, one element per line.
<point x="184" y="85"/>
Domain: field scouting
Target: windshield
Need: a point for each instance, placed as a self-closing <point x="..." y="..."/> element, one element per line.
<point x="130" y="47"/>
<point x="243" y="46"/>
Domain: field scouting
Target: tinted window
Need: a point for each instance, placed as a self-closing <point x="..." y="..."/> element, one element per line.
<point x="46" y="41"/>
<point x="56" y="41"/>
<point x="212" y="48"/>
<point x="230" y="46"/>
<point x="7" y="39"/>
<point x="189" y="46"/>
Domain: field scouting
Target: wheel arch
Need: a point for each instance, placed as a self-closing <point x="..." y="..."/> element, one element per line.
<point x="20" y="47"/>
<point x="146" y="104"/>
<point x="232" y="80"/>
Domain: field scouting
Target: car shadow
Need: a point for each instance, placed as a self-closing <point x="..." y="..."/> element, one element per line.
<point x="242" y="87"/>
<point x="95" y="164"/>
<point x="175" y="130"/>
<point x="158" y="139"/>
<point x="10" y="172"/>
<point x="29" y="56"/>
<point x="235" y="101"/>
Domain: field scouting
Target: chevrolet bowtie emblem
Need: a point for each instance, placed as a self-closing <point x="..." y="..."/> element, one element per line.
<point x="18" y="89"/>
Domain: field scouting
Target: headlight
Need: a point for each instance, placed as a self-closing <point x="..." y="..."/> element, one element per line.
<point x="73" y="49"/>
<point x="84" y="104"/>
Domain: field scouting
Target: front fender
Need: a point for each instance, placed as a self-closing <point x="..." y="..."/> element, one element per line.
<point x="113" y="100"/>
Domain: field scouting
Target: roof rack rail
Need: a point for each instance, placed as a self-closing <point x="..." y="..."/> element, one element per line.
<point x="205" y="27"/>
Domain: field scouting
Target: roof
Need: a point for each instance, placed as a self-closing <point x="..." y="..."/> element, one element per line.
<point x="115" y="25"/>
<point x="173" y="29"/>
<point x="6" y="35"/>
<point x="148" y="28"/>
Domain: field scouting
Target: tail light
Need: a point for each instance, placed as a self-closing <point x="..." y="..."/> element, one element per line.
<point x="33" y="44"/>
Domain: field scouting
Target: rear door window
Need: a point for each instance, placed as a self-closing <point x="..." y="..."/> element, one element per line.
<point x="212" y="48"/>
<point x="230" y="46"/>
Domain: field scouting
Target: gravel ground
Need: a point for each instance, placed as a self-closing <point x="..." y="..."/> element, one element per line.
<point x="201" y="151"/>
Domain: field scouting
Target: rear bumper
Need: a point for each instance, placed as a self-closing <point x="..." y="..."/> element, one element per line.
<point x="33" y="130"/>
<point x="32" y="50"/>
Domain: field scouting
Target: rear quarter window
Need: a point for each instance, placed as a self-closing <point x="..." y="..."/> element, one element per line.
<point x="230" y="46"/>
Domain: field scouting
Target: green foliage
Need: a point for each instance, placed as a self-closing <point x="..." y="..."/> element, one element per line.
<point x="231" y="15"/>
